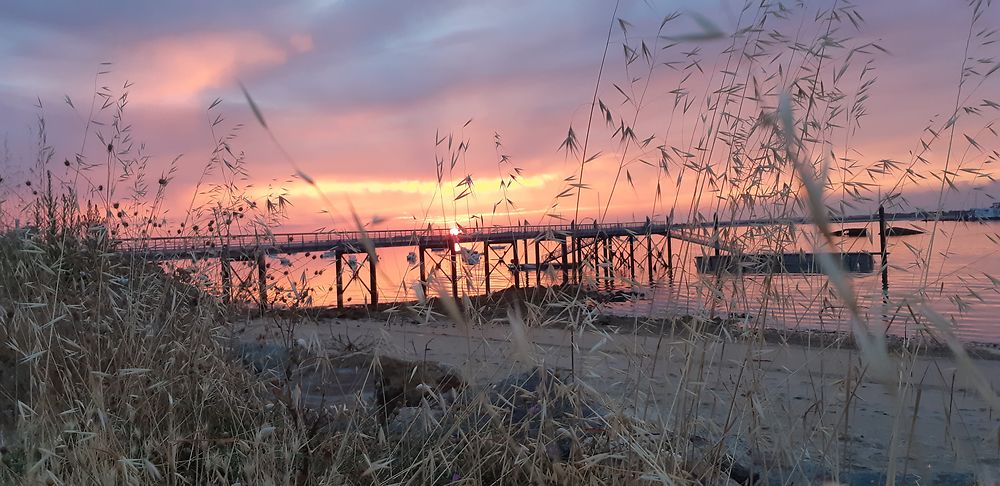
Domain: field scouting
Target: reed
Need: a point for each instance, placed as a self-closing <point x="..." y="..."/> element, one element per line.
<point x="121" y="370"/>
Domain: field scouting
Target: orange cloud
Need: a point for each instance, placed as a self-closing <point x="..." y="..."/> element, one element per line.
<point x="408" y="198"/>
<point x="422" y="188"/>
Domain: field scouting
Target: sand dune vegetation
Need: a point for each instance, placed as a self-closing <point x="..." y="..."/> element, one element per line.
<point x="118" y="367"/>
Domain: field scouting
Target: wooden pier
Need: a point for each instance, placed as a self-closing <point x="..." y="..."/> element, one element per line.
<point x="570" y="249"/>
<point x="607" y="251"/>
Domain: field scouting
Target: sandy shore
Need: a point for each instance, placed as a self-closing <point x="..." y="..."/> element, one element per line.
<point x="788" y="404"/>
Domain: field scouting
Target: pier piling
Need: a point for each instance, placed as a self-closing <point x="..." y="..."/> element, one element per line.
<point x="597" y="259"/>
<point x="715" y="233"/>
<point x="609" y="260"/>
<point x="565" y="262"/>
<point x="486" y="265"/>
<point x="262" y="280"/>
<point x="227" y="276"/>
<point x="538" y="262"/>
<point x="454" y="271"/>
<point x="340" y="278"/>
<point x="517" y="267"/>
<point x="670" y="247"/>
<point x="373" y="275"/>
<point x="883" y="252"/>
<point x="527" y="257"/>
<point x="577" y="260"/>
<point x="631" y="257"/>
<point x="421" y="250"/>
<point x="649" y="257"/>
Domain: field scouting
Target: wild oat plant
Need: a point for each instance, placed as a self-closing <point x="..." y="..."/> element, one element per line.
<point x="120" y="369"/>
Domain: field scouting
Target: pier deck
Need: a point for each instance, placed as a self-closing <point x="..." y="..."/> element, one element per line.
<point x="247" y="247"/>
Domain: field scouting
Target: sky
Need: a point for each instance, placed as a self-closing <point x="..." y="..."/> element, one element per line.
<point x="356" y="94"/>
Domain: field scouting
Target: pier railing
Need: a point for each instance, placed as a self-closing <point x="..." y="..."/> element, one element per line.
<point x="213" y="244"/>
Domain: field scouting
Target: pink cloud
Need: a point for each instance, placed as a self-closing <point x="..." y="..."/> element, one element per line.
<point x="178" y="69"/>
<point x="301" y="42"/>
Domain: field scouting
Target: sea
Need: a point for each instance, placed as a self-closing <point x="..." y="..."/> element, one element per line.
<point x="943" y="280"/>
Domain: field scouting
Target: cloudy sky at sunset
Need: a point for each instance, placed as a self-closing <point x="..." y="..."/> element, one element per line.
<point x="355" y="92"/>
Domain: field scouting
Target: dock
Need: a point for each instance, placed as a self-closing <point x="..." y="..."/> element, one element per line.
<point x="570" y="249"/>
<point x="775" y="263"/>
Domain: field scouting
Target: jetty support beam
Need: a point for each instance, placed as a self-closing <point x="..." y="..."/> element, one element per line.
<point x="631" y="257"/>
<point x="517" y="266"/>
<point x="454" y="270"/>
<point x="538" y="263"/>
<point x="423" y="268"/>
<point x="373" y="278"/>
<point x="649" y="257"/>
<point x="262" y="280"/>
<point x="227" y="276"/>
<point x="565" y="262"/>
<point x="486" y="265"/>
<point x="670" y="247"/>
<point x="340" y="278"/>
<point x="883" y="252"/>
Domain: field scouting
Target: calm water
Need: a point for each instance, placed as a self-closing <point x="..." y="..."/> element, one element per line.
<point x="953" y="279"/>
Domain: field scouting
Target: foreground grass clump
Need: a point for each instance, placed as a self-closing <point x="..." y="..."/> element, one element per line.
<point x="119" y="374"/>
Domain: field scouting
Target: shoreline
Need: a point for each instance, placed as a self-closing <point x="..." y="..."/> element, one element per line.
<point x="494" y="306"/>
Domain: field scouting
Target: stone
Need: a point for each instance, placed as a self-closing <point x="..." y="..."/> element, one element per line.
<point x="403" y="383"/>
<point x="413" y="423"/>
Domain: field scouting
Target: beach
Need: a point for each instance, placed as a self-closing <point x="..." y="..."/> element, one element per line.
<point x="784" y="404"/>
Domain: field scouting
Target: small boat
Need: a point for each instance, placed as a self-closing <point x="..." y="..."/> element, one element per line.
<point x="774" y="263"/>
<point x="890" y="231"/>
<point x="899" y="231"/>
<point x="524" y="267"/>
<point x="851" y="232"/>
<point x="992" y="212"/>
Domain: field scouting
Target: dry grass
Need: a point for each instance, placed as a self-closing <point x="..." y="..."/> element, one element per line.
<point x="122" y="376"/>
<point x="117" y="372"/>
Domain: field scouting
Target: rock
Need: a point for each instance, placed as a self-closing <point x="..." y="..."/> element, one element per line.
<point x="528" y="392"/>
<point x="268" y="357"/>
<point x="403" y="383"/>
<point x="526" y="406"/>
<point x="740" y="455"/>
<point x="413" y="423"/>
<point x="314" y="381"/>
<point x="710" y="458"/>
<point x="617" y="296"/>
<point x="542" y="399"/>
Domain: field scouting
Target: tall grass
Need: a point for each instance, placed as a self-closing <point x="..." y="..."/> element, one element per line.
<point x="123" y="372"/>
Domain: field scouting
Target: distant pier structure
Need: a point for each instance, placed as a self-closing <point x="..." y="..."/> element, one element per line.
<point x="604" y="250"/>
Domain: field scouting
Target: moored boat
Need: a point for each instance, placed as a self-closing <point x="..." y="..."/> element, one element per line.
<point x="863" y="232"/>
